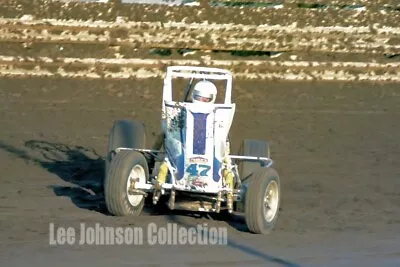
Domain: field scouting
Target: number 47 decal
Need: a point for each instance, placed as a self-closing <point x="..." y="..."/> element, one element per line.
<point x="195" y="169"/>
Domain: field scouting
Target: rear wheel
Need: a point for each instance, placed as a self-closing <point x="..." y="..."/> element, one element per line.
<point x="262" y="201"/>
<point x="124" y="133"/>
<point x="127" y="169"/>
<point x="253" y="148"/>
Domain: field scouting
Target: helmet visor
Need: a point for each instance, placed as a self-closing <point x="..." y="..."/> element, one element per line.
<point x="202" y="98"/>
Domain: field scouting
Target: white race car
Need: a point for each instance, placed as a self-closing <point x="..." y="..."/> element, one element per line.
<point x="193" y="167"/>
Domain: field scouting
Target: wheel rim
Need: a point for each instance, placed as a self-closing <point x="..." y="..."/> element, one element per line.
<point x="271" y="201"/>
<point x="136" y="176"/>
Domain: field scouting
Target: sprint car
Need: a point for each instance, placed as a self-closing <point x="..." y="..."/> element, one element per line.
<point x="193" y="168"/>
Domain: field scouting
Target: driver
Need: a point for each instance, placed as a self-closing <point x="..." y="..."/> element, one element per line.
<point x="203" y="92"/>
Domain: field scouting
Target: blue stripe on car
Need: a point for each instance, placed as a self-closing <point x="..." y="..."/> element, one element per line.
<point x="199" y="133"/>
<point x="216" y="168"/>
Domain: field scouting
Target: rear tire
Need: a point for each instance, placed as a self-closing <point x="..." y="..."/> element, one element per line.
<point x="124" y="133"/>
<point x="125" y="166"/>
<point x="253" y="148"/>
<point x="262" y="201"/>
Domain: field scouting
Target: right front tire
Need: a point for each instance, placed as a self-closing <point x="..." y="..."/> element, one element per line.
<point x="262" y="201"/>
<point x="125" y="168"/>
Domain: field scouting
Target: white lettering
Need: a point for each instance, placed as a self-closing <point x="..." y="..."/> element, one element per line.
<point x="170" y="234"/>
<point x="152" y="234"/>
<point x="119" y="236"/>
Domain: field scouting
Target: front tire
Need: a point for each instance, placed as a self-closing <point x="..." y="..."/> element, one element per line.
<point x="125" y="166"/>
<point x="262" y="201"/>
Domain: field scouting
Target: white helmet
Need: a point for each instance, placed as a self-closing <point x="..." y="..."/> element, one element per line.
<point x="204" y="92"/>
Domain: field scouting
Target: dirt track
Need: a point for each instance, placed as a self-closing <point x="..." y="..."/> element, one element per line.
<point x="335" y="146"/>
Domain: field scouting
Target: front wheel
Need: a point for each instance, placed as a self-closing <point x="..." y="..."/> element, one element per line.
<point x="126" y="169"/>
<point x="262" y="201"/>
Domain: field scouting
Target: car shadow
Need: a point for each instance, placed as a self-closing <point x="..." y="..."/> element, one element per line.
<point x="82" y="168"/>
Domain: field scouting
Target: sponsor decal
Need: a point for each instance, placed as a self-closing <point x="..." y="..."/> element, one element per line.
<point x="200" y="183"/>
<point x="198" y="160"/>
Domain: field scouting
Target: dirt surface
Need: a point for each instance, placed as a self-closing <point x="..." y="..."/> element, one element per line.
<point x="335" y="146"/>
